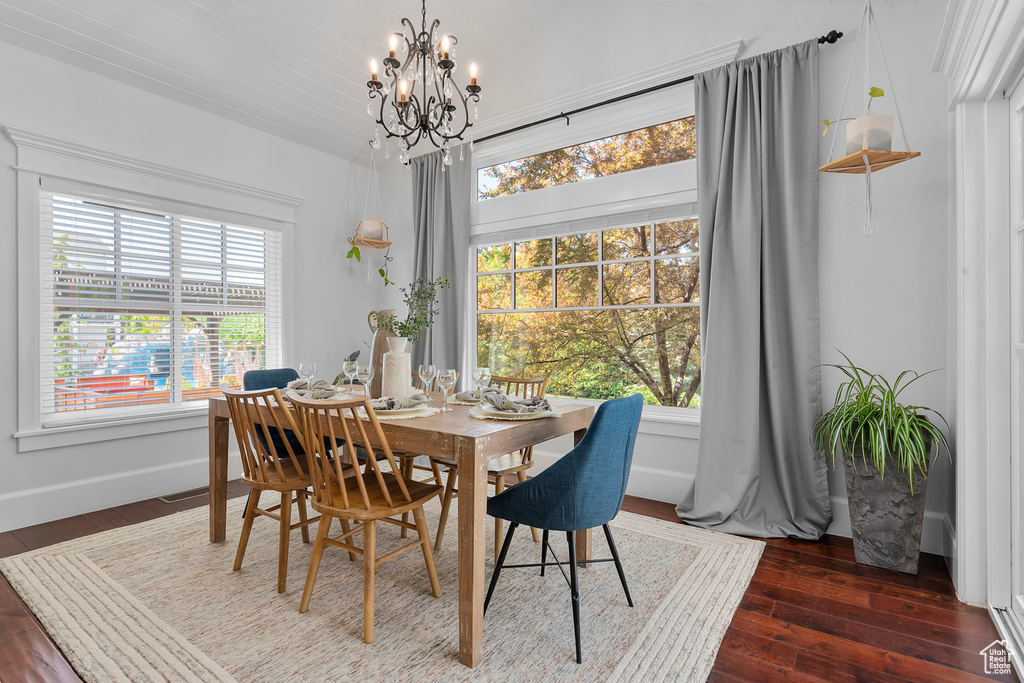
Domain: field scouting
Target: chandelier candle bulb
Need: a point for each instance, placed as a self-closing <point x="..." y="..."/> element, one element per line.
<point x="404" y="97"/>
<point x="444" y="47"/>
<point x="472" y="74"/>
<point x="392" y="45"/>
<point x="373" y="69"/>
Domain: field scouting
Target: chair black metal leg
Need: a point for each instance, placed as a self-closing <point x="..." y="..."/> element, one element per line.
<point x="574" y="585"/>
<point x="618" y="565"/>
<point x="543" y="551"/>
<point x="248" y="502"/>
<point x="501" y="561"/>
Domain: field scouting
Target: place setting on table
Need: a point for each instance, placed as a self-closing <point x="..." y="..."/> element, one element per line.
<point x="493" y="403"/>
<point x="400" y="399"/>
<point x="410" y="398"/>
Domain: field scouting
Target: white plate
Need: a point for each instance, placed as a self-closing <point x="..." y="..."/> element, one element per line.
<point x="401" y="411"/>
<point x="487" y="410"/>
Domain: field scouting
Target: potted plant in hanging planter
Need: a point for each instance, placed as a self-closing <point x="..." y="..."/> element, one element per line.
<point x="871" y="131"/>
<point x="886" y="447"/>
<point x="868" y="132"/>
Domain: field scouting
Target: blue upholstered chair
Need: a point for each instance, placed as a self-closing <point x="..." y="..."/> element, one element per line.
<point x="257" y="380"/>
<point x="254" y="380"/>
<point x="582" y="490"/>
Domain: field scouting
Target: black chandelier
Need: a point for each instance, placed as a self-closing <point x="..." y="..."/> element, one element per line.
<point x="418" y="97"/>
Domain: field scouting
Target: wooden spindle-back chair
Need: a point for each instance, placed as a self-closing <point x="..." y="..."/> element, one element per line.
<point x="360" y="492"/>
<point x="511" y="463"/>
<point x="270" y="462"/>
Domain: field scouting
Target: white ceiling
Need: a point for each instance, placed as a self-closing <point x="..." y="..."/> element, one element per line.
<point x="297" y="68"/>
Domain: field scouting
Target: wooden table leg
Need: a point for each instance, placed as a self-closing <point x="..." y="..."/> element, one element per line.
<point x="472" y="465"/>
<point x="218" y="475"/>
<point x="584" y="538"/>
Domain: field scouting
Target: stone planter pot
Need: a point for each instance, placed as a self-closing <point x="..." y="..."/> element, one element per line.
<point x="886" y="517"/>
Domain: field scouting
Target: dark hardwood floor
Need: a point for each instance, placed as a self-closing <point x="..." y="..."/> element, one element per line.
<point x="810" y="613"/>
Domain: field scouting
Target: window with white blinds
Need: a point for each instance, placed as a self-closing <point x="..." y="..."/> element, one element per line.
<point x="145" y="311"/>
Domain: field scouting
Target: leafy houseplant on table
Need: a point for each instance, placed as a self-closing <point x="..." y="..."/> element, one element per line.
<point x="421" y="298"/>
<point x="877" y="434"/>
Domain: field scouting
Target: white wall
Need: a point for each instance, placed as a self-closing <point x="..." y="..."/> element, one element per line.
<point x="326" y="295"/>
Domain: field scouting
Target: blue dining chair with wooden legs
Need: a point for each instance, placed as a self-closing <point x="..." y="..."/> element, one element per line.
<point x="583" y="490"/>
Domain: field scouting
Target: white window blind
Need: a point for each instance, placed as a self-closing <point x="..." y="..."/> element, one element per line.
<point x="145" y="311"/>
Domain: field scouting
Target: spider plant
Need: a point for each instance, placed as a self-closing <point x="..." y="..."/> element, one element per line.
<point x="869" y="422"/>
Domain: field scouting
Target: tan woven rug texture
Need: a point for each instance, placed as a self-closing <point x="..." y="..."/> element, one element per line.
<point x="158" y="602"/>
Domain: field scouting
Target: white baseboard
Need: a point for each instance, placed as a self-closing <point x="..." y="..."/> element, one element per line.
<point x="951" y="551"/>
<point x="936" y="535"/>
<point x="645" y="482"/>
<point x="47" y="503"/>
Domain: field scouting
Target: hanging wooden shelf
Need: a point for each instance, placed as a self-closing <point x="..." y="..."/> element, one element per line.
<point x="380" y="245"/>
<point x="879" y="159"/>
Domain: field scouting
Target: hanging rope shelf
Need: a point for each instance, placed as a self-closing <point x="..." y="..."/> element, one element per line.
<point x="876" y="151"/>
<point x="372" y="232"/>
<point x="868" y="138"/>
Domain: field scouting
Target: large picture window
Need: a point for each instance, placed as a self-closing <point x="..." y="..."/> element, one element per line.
<point x="603" y="314"/>
<point x="144" y="311"/>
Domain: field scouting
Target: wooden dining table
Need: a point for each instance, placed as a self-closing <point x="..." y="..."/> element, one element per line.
<point x="471" y="442"/>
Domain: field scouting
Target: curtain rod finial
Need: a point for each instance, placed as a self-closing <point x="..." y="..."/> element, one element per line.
<point x="831" y="37"/>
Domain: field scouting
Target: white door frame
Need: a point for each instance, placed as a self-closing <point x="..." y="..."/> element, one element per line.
<point x="981" y="50"/>
<point x="1007" y="589"/>
<point x="1017" y="338"/>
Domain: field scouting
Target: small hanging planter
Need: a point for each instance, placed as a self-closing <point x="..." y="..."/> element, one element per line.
<point x="371" y="233"/>
<point x="871" y="132"/>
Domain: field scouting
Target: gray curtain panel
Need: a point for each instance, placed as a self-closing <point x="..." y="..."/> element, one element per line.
<point x="757" y="177"/>
<point x="441" y="201"/>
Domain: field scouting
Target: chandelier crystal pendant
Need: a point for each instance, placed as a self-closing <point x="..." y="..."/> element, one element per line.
<point x="418" y="97"/>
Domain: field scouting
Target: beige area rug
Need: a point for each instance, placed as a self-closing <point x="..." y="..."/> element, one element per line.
<point x="157" y="602"/>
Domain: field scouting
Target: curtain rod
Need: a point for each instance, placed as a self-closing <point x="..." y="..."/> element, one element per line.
<point x="831" y="37"/>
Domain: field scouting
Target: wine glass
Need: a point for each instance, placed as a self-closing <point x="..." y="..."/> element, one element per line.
<point x="481" y="377"/>
<point x="446" y="380"/>
<point x="308" y="371"/>
<point x="349" y="368"/>
<point x="427" y="374"/>
<point x="364" y="373"/>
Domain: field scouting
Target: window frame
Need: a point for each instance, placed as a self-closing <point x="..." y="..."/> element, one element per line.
<point x="84" y="171"/>
<point x="178" y="223"/>
<point x="648" y="195"/>
<point x="666" y="412"/>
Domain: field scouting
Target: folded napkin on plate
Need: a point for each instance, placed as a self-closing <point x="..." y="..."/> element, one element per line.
<point x="321" y="388"/>
<point x="512" y="404"/>
<point x="471" y="395"/>
<point x="385" y="403"/>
